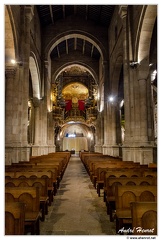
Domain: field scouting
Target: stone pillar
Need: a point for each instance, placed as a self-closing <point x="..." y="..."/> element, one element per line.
<point x="35" y="147"/>
<point x="143" y="111"/>
<point x="44" y="105"/>
<point x="109" y="146"/>
<point x="50" y="135"/>
<point x="136" y="147"/>
<point x="9" y="85"/>
<point x="106" y="118"/>
<point x="20" y="147"/>
<point x="36" y="103"/>
<point x="44" y="108"/>
<point x="98" y="134"/>
<point x="10" y="73"/>
<point x="25" y="52"/>
<point x="40" y="146"/>
<point x="127" y="107"/>
<point x="105" y="76"/>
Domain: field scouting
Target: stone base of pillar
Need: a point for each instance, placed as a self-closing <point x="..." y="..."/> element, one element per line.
<point x="98" y="148"/>
<point x="110" y="150"/>
<point x="42" y="150"/>
<point x="16" y="154"/>
<point x="51" y="149"/>
<point x="144" y="155"/>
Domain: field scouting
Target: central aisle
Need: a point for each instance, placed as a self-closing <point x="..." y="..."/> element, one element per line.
<point x="77" y="209"/>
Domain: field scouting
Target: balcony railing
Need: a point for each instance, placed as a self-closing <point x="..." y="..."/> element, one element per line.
<point x="75" y="114"/>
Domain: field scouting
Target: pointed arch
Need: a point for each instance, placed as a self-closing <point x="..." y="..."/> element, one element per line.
<point x="144" y="34"/>
<point x="11" y="46"/>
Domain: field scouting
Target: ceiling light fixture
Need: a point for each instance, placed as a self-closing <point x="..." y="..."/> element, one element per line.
<point x="111" y="99"/>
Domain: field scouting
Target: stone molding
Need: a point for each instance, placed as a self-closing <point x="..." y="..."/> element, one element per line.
<point x="123" y="11"/>
<point x="10" y="71"/>
<point x="29" y="12"/>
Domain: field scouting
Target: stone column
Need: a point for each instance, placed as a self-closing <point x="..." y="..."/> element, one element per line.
<point x="37" y="148"/>
<point x="10" y="73"/>
<point x="23" y="84"/>
<point x="44" y="109"/>
<point x="98" y="133"/>
<point x="36" y="103"/>
<point x="136" y="147"/>
<point x="44" y="105"/>
<point x="9" y="85"/>
<point x="127" y="107"/>
<point x="25" y="52"/>
<point x="106" y="119"/>
<point x="109" y="146"/>
<point x="50" y="135"/>
<point x="143" y="111"/>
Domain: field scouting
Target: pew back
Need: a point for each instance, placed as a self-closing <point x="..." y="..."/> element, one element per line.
<point x="41" y="183"/>
<point x="28" y="195"/>
<point x="124" y="195"/>
<point x="14" y="218"/>
<point x="144" y="218"/>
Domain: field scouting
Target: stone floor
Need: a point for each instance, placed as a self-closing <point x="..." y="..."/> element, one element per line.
<point x="77" y="209"/>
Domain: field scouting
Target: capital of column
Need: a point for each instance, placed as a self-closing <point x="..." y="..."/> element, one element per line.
<point x="123" y="11"/>
<point x="29" y="12"/>
<point x="36" y="102"/>
<point x="46" y="63"/>
<point x="142" y="80"/>
<point x="143" y="70"/>
<point x="104" y="63"/>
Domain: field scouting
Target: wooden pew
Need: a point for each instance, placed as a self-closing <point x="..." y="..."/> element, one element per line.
<point x="66" y="153"/>
<point x="90" y="162"/>
<point x="144" y="218"/>
<point x="35" y="174"/>
<point x="14" y="218"/>
<point x="120" y="173"/>
<point x="97" y="162"/>
<point x="89" y="154"/>
<point x="41" y="183"/>
<point x="150" y="174"/>
<point x="113" y="182"/>
<point x="29" y="196"/>
<point x="42" y="161"/>
<point x="101" y="169"/>
<point x="60" y="159"/>
<point x="124" y="195"/>
<point x="152" y="166"/>
<point x="37" y="168"/>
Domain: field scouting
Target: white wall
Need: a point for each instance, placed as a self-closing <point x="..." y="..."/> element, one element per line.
<point x="76" y="143"/>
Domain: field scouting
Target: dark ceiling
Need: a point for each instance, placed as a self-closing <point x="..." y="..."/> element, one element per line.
<point x="75" y="45"/>
<point x="100" y="14"/>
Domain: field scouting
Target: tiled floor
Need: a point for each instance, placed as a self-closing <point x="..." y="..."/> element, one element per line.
<point x="77" y="209"/>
